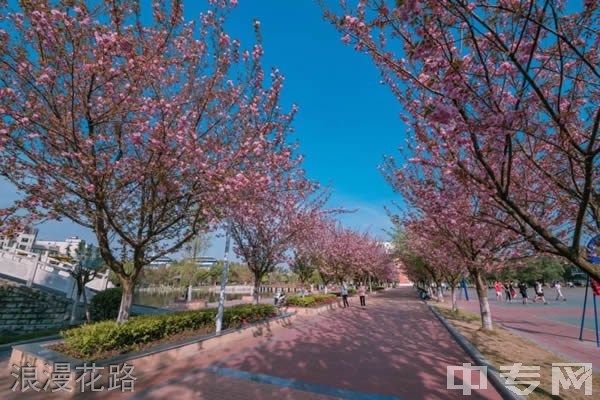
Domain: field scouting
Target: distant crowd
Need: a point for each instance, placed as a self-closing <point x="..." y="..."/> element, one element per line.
<point x="507" y="291"/>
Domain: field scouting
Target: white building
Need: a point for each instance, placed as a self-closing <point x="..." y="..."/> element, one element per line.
<point x="36" y="263"/>
<point x="27" y="241"/>
<point x="66" y="247"/>
<point x="161" y="261"/>
<point x="388" y="246"/>
<point x="22" y="241"/>
<point x="204" y="262"/>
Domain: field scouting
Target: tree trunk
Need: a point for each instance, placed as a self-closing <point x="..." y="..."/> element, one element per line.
<point x="484" y="305"/>
<point x="189" y="293"/>
<point x="88" y="317"/>
<point x="257" y="279"/>
<point x="75" y="304"/>
<point x="126" y="300"/>
<point x="453" y="294"/>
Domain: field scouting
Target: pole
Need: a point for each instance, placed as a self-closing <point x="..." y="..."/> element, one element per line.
<point x="587" y="285"/>
<point x="591" y="250"/>
<point x="31" y="277"/>
<point x="219" y="322"/>
<point x="595" y="260"/>
<point x="463" y="283"/>
<point x="596" y="321"/>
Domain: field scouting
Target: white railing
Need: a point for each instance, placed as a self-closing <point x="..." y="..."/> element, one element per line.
<point x="241" y="289"/>
<point x="44" y="271"/>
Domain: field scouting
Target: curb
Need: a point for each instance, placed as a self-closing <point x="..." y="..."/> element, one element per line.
<point x="493" y="375"/>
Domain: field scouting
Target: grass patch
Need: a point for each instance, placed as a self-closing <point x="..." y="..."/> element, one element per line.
<point x="502" y="347"/>
<point x="458" y="315"/>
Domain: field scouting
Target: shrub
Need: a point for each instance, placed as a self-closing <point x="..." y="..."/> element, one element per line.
<point x="105" y="305"/>
<point x="312" y="300"/>
<point x="352" y="292"/>
<point x="92" y="340"/>
<point x="246" y="313"/>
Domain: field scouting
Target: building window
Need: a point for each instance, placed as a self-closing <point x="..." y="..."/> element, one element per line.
<point x="24" y="240"/>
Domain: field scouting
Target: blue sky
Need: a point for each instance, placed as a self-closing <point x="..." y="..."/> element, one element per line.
<point x="346" y="121"/>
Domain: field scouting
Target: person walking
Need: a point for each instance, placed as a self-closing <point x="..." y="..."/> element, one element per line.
<point x="507" y="293"/>
<point x="513" y="292"/>
<point x="523" y="290"/>
<point x="539" y="292"/>
<point x="499" y="288"/>
<point x="344" y="293"/>
<point x="559" y="294"/>
<point x="362" y="292"/>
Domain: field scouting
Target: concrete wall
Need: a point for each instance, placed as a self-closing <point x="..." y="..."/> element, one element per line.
<point x="24" y="309"/>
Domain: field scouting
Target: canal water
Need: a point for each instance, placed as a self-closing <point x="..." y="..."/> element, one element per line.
<point x="164" y="298"/>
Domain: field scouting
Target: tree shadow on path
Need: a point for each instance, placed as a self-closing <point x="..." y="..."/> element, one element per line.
<point x="395" y="347"/>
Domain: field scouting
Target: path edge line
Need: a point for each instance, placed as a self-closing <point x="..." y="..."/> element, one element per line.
<point x="493" y="375"/>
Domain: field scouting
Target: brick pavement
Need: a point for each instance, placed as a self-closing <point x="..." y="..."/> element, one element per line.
<point x="546" y="325"/>
<point x="395" y="349"/>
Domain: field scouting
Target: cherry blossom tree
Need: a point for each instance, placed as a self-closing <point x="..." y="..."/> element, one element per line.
<point x="505" y="96"/>
<point x="342" y="253"/>
<point x="448" y="227"/>
<point x="139" y="129"/>
<point x="265" y="231"/>
<point x="377" y="264"/>
<point x="430" y="259"/>
<point x="337" y="256"/>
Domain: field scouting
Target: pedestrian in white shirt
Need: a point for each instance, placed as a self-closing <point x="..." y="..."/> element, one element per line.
<point x="559" y="294"/>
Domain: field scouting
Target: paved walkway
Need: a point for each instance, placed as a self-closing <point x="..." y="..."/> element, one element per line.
<point x="554" y="326"/>
<point x="395" y="349"/>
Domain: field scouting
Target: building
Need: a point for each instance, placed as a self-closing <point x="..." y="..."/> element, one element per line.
<point x="27" y="241"/>
<point x="205" y="262"/>
<point x="388" y="246"/>
<point x="202" y="262"/>
<point x="67" y="247"/>
<point x="23" y="241"/>
<point x="161" y="261"/>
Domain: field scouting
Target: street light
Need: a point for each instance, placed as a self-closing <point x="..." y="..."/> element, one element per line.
<point x="223" y="279"/>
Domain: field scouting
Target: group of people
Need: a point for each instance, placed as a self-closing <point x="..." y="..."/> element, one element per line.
<point x="508" y="288"/>
<point x="362" y="293"/>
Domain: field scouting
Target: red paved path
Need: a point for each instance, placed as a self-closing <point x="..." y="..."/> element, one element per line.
<point x="395" y="348"/>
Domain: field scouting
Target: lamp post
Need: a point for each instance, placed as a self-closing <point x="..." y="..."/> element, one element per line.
<point x="219" y="322"/>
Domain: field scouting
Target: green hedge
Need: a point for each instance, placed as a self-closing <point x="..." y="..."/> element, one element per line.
<point x="92" y="340"/>
<point x="105" y="305"/>
<point x="312" y="300"/>
<point x="352" y="292"/>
